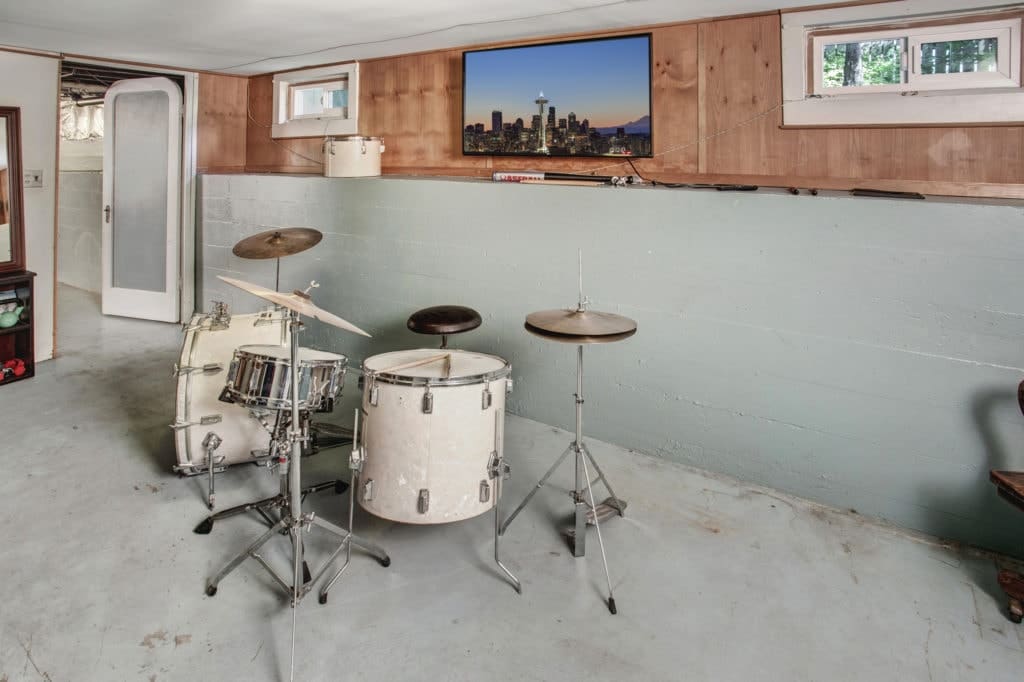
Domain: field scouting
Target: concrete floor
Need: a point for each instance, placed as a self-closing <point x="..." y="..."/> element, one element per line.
<point x="715" y="580"/>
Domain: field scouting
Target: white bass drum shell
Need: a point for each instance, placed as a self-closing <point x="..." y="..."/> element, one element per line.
<point x="445" y="452"/>
<point x="197" y="393"/>
<point x="352" y="157"/>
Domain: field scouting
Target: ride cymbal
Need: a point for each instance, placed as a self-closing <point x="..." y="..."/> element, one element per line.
<point x="284" y="241"/>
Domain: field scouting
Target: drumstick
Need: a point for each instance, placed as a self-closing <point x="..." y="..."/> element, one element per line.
<point x="447" y="357"/>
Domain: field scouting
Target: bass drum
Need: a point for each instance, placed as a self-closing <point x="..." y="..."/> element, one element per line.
<point x="433" y="421"/>
<point x="206" y="353"/>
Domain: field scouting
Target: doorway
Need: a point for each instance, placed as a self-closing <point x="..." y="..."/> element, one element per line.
<point x="120" y="278"/>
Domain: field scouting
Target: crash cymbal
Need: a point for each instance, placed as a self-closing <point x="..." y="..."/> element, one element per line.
<point x="580" y="323"/>
<point x="297" y="301"/>
<point x="283" y="241"/>
<point x="577" y="339"/>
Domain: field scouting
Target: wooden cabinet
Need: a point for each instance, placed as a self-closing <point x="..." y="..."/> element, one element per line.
<point x="16" y="341"/>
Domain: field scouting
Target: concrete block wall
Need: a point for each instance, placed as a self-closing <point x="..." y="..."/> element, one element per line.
<point x="79" y="233"/>
<point x="864" y="353"/>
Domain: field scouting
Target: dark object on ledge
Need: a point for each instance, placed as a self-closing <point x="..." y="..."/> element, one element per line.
<point x="721" y="187"/>
<point x="444" y="320"/>
<point x="1010" y="486"/>
<point x="885" y="194"/>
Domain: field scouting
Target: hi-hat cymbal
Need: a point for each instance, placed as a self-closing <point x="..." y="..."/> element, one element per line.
<point x="577" y="339"/>
<point x="283" y="241"/>
<point x="297" y="301"/>
<point x="580" y="323"/>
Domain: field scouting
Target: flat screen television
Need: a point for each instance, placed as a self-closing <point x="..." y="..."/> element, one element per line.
<point x="574" y="98"/>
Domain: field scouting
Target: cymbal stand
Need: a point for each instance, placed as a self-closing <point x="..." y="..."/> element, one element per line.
<point x="293" y="520"/>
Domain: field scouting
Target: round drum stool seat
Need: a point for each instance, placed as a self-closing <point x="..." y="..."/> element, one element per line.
<point x="444" y="320"/>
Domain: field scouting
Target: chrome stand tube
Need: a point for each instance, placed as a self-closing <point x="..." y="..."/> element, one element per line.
<point x="498" y="471"/>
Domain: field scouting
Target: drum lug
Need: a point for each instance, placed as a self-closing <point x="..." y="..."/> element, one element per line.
<point x="211" y="368"/>
<point x="497" y="467"/>
<point x="423" y="501"/>
<point x="203" y="421"/>
<point x="487" y="398"/>
<point x="368" y="490"/>
<point x="485" y="491"/>
<point x="428" y="403"/>
<point x="374" y="394"/>
<point x="355" y="460"/>
<point x="508" y="386"/>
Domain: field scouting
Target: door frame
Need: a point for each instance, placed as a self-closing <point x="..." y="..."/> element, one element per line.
<point x="190" y="114"/>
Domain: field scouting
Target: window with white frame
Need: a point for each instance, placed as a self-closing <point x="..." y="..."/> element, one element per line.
<point x="929" y="62"/>
<point x="316" y="102"/>
<point x="956" y="56"/>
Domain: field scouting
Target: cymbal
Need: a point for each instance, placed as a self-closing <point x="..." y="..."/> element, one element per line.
<point x="576" y="339"/>
<point x="297" y="301"/>
<point x="580" y="323"/>
<point x="283" y="241"/>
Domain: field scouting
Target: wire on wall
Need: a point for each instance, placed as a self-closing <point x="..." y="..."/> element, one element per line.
<point x="319" y="162"/>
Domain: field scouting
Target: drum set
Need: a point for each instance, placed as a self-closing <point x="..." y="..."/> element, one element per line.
<point x="427" y="443"/>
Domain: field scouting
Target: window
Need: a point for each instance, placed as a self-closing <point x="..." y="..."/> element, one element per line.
<point x="906" y="62"/>
<point x="316" y="102"/>
<point x="956" y="56"/>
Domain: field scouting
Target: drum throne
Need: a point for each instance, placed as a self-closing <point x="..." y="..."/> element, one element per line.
<point x="443" y="321"/>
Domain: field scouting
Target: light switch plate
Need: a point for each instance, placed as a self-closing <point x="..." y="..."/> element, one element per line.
<point x="33" y="178"/>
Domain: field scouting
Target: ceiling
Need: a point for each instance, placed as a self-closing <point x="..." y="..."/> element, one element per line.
<point x="260" y="36"/>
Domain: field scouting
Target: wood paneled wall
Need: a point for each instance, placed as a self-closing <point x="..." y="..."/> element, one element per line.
<point x="717" y="92"/>
<point x="3" y="202"/>
<point x="221" y="123"/>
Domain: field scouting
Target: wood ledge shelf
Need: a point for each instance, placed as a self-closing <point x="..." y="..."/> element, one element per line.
<point x="938" y="189"/>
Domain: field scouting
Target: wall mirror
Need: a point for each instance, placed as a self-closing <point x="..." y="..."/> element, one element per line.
<point x="12" y="228"/>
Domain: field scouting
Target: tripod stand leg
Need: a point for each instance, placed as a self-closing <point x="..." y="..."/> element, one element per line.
<point x="600" y="540"/>
<point x="362" y="543"/>
<point x="211" y="587"/>
<point x="600" y="474"/>
<point x="497" y="532"/>
<point x="540" y="484"/>
<point x="206" y="525"/>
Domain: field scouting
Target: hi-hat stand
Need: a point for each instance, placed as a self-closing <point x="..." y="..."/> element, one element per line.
<point x="292" y="519"/>
<point x="581" y="326"/>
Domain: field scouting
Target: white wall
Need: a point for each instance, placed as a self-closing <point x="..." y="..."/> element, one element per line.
<point x="30" y="82"/>
<point x="80" y="229"/>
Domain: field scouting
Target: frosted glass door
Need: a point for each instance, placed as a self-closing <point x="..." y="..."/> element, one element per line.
<point x="141" y="199"/>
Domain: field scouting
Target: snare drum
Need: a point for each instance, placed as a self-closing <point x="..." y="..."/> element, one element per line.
<point x="431" y="431"/>
<point x="260" y="377"/>
<point x="206" y="351"/>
